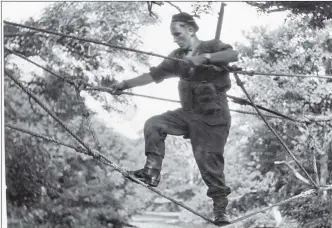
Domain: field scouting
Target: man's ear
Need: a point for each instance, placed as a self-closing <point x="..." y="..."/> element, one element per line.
<point x="191" y="30"/>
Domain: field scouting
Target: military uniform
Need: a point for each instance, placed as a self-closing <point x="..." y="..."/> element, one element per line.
<point x="204" y="117"/>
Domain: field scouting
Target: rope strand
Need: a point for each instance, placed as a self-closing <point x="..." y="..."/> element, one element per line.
<point x="251" y="73"/>
<point x="109" y="45"/>
<point x="219" y="69"/>
<point x="105" y="89"/>
<point x="301" y="195"/>
<point x="235" y="99"/>
<point x="107" y="161"/>
<point x="40" y="66"/>
<point x="96" y="154"/>
<point x="47" y="138"/>
<point x="240" y="83"/>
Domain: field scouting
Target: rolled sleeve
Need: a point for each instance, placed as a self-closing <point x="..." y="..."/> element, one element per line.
<point x="220" y="46"/>
<point x="166" y="69"/>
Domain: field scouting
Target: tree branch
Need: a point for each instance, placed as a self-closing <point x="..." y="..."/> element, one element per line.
<point x="175" y="6"/>
<point x="297" y="174"/>
<point x="277" y="10"/>
<point x="150" y="9"/>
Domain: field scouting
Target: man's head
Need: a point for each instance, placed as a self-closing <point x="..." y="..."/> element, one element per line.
<point x="183" y="29"/>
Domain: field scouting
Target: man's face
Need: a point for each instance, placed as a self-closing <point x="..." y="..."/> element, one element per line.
<point x="182" y="34"/>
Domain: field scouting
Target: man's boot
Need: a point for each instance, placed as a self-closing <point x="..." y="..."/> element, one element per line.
<point x="219" y="210"/>
<point x="150" y="174"/>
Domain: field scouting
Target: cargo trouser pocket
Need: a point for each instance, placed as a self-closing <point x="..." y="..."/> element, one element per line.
<point x="214" y="130"/>
<point x="185" y="93"/>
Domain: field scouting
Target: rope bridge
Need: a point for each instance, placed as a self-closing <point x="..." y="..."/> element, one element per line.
<point x="85" y="149"/>
<point x="241" y="101"/>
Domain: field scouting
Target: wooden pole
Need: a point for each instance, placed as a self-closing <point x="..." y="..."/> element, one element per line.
<point x="220" y="19"/>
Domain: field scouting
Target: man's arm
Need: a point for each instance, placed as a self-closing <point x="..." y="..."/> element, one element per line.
<point x="141" y="80"/>
<point x="157" y="74"/>
<point x="217" y="58"/>
<point x="218" y="54"/>
<point x="165" y="69"/>
<point x="222" y="53"/>
<point x="223" y="57"/>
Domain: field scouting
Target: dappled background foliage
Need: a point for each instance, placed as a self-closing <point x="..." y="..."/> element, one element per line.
<point x="319" y="12"/>
<point x="50" y="186"/>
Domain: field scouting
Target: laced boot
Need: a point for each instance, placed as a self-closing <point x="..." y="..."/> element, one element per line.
<point x="219" y="210"/>
<point x="149" y="176"/>
<point x="221" y="220"/>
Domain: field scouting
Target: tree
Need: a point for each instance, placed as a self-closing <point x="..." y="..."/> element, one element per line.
<point x="319" y="12"/>
<point x="293" y="48"/>
<point x="60" y="185"/>
<point x="77" y="59"/>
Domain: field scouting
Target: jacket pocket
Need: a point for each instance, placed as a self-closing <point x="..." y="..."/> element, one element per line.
<point x="206" y="99"/>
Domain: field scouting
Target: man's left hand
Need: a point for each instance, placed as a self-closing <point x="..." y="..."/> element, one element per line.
<point x="196" y="60"/>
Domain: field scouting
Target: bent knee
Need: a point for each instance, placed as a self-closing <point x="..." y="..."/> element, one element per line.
<point x="154" y="124"/>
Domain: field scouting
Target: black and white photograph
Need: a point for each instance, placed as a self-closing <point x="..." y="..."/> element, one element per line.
<point x="159" y="114"/>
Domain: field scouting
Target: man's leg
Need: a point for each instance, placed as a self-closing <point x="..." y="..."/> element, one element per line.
<point x="155" y="131"/>
<point x="208" y="143"/>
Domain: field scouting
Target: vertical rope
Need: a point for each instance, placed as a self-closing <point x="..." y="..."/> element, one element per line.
<point x="240" y="83"/>
<point x="312" y="153"/>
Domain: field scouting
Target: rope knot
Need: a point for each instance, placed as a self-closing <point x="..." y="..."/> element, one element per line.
<point x="235" y="68"/>
<point x="79" y="84"/>
<point x="238" y="80"/>
<point x="94" y="153"/>
<point x="81" y="150"/>
<point x="250" y="73"/>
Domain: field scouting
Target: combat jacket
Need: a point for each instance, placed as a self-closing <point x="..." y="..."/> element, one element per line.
<point x="202" y="92"/>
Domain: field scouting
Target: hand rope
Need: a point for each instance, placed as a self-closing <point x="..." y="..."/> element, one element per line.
<point x="219" y="69"/>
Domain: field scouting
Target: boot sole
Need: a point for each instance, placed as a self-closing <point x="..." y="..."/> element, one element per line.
<point x="219" y="224"/>
<point x="148" y="182"/>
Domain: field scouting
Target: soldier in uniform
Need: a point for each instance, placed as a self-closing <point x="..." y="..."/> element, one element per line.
<point x="204" y="115"/>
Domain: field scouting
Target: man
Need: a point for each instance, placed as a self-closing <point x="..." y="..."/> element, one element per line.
<point x="204" y="116"/>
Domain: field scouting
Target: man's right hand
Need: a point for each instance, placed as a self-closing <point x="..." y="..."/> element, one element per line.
<point x="118" y="87"/>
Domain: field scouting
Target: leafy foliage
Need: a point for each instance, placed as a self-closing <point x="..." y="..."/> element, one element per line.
<point x="293" y="48"/>
<point x="25" y="182"/>
<point x="116" y="23"/>
<point x="319" y="12"/>
<point x="48" y="185"/>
